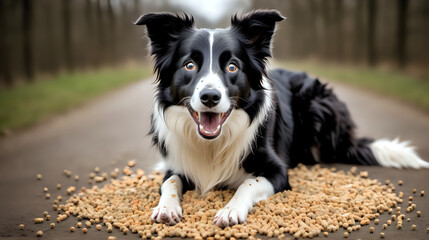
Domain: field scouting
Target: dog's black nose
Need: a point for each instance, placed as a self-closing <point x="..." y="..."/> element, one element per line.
<point x="210" y="97"/>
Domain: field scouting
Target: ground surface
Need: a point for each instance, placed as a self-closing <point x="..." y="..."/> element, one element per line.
<point x="112" y="130"/>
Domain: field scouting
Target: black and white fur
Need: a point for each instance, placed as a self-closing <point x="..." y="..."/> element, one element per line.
<point x="222" y="120"/>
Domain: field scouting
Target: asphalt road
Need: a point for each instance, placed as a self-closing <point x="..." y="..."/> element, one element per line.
<point x="111" y="130"/>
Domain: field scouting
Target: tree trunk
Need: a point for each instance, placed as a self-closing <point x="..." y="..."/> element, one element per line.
<point x="372" y="14"/>
<point x="5" y="71"/>
<point x="112" y="39"/>
<point x="339" y="49"/>
<point x="359" y="33"/>
<point x="401" y="33"/>
<point x="27" y="28"/>
<point x="68" y="48"/>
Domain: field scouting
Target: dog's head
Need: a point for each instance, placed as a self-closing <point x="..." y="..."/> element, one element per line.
<point x="211" y="72"/>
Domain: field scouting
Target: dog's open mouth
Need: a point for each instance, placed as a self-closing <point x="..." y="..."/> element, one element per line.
<point x="209" y="123"/>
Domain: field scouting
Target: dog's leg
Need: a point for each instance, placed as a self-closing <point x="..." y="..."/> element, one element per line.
<point x="168" y="210"/>
<point x="251" y="191"/>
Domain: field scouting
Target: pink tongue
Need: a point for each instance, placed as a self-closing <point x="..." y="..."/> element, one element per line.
<point x="210" y="121"/>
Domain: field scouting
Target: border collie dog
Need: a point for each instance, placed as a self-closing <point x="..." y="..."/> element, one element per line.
<point x="221" y="119"/>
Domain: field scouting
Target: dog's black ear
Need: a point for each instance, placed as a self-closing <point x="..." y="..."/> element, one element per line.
<point x="163" y="30"/>
<point x="258" y="28"/>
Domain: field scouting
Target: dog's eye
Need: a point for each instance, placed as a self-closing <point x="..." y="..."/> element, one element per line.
<point x="232" y="68"/>
<point x="190" y="66"/>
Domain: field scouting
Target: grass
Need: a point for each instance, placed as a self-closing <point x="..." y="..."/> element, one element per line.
<point x="392" y="83"/>
<point x="25" y="105"/>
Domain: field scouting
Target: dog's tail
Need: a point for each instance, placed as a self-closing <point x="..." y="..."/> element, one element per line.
<point x="396" y="154"/>
<point x="383" y="152"/>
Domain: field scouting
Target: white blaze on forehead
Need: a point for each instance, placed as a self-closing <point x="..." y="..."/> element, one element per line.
<point x="211" y="40"/>
<point x="210" y="81"/>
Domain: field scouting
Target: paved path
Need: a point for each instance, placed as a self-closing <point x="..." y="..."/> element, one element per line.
<point x="112" y="130"/>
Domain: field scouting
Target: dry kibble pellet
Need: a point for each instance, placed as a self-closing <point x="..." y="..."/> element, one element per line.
<point x="67" y="172"/>
<point x="38" y="220"/>
<point x="79" y="224"/>
<point x="84" y="230"/>
<point x="422" y="193"/>
<point x="39" y="233"/>
<point x="52" y="225"/>
<point x="419" y="213"/>
<point x="376" y="221"/>
<point x="111" y="238"/>
<point x="414" y="190"/>
<point x="88" y="224"/>
<point x="389" y="222"/>
<point x="58" y="186"/>
<point x="76" y="177"/>
<point x="382" y="235"/>
<point x="346" y="234"/>
<point x="413" y="227"/>
<point x="427" y="230"/>
<point x="72" y="229"/>
<point x="39" y="176"/>
<point x="384" y="226"/>
<point x="98" y="227"/>
<point x="97" y="169"/>
<point x="48" y="195"/>
<point x="21" y="226"/>
<point x="131" y="163"/>
<point x="400" y="182"/>
<point x="371" y="229"/>
<point x="45" y="189"/>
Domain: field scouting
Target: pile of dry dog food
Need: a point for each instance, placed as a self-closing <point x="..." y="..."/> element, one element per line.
<point x="322" y="201"/>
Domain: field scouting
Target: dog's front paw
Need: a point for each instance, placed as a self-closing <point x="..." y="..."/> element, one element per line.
<point x="229" y="216"/>
<point x="169" y="215"/>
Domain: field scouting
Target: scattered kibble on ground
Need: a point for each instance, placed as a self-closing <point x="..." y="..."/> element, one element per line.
<point x="321" y="201"/>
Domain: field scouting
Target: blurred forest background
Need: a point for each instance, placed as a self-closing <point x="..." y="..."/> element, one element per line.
<point x="51" y="36"/>
<point x="66" y="43"/>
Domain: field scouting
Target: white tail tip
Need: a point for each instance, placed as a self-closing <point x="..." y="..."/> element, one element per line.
<point x="396" y="154"/>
